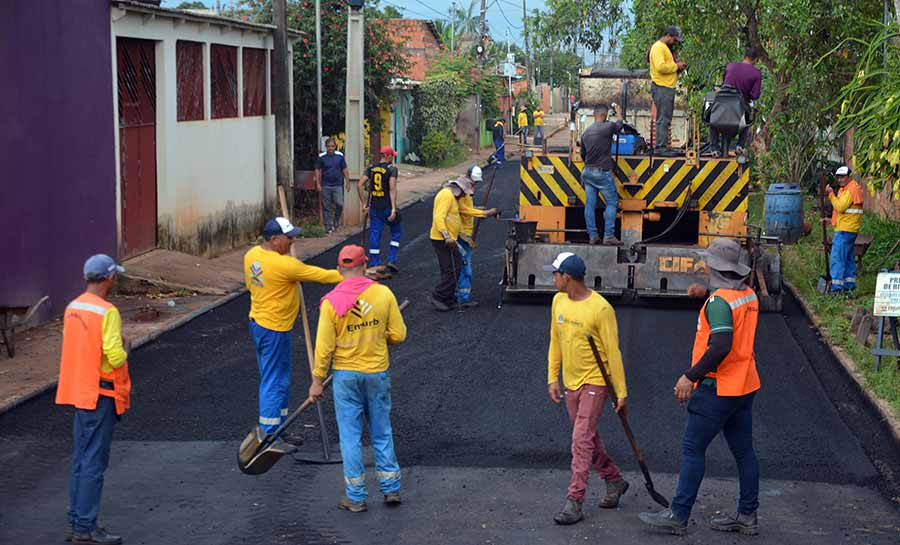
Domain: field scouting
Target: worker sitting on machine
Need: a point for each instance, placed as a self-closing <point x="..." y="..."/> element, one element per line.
<point x="724" y="110"/>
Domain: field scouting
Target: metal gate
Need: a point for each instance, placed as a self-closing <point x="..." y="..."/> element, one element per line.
<point x="137" y="143"/>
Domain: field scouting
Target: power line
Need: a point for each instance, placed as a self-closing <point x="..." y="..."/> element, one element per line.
<point x="405" y="9"/>
<point x="496" y="3"/>
<point x="420" y="2"/>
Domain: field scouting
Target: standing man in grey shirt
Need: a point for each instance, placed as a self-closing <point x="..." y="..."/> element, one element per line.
<point x="596" y="151"/>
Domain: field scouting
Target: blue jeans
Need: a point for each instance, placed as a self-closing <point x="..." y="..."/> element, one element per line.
<point x="358" y="397"/>
<point x="843" y="261"/>
<point x="708" y="414"/>
<point x="538" y="133"/>
<point x="464" y="281"/>
<point x="596" y="180"/>
<point x="273" y="355"/>
<point x="378" y="221"/>
<point x="92" y="433"/>
<point x="500" y="154"/>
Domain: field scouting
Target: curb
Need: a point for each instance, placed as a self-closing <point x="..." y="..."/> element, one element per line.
<point x="881" y="407"/>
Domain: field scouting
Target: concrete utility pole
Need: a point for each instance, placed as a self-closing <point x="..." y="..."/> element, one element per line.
<point x="482" y="33"/>
<point x="319" y="146"/>
<point x="528" y="77"/>
<point x="354" y="132"/>
<point x="511" y="108"/>
<point x="452" y="25"/>
<point x="281" y="103"/>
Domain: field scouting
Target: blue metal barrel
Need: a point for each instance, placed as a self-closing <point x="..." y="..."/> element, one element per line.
<point x="784" y="212"/>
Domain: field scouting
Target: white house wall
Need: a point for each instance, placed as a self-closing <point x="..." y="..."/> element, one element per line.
<point x="216" y="179"/>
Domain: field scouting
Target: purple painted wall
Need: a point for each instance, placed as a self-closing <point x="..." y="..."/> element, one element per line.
<point x="57" y="156"/>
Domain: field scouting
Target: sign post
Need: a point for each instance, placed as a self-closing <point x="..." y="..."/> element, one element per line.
<point x="887" y="307"/>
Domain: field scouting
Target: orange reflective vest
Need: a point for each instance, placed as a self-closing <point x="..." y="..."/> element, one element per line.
<point x="859" y="199"/>
<point x="82" y="355"/>
<point x="736" y="375"/>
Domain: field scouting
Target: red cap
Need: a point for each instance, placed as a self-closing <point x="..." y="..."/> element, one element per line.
<point x="352" y="256"/>
<point x="387" y="150"/>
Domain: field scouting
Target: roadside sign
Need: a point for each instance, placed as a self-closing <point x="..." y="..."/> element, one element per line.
<point x="509" y="70"/>
<point x="511" y="58"/>
<point x="887" y="295"/>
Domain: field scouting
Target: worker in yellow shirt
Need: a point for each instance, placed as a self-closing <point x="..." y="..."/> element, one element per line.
<point x="538" y="116"/>
<point x="578" y="312"/>
<point x="358" y="320"/>
<point x="271" y="277"/>
<point x="847" y="220"/>
<point x="522" y="121"/>
<point x="467" y="214"/>
<point x="664" y="70"/>
<point x="445" y="226"/>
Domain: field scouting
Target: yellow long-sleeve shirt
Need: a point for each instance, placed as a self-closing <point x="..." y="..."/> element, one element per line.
<point x="358" y="341"/>
<point x="468" y="213"/>
<point x="272" y="280"/>
<point x="571" y="323"/>
<point x="663" y="68"/>
<point x="522" y="119"/>
<point x="847" y="215"/>
<point x="114" y="355"/>
<point x="445" y="215"/>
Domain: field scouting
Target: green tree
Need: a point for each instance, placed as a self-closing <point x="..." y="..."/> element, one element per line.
<point x="567" y="24"/>
<point x="191" y="5"/>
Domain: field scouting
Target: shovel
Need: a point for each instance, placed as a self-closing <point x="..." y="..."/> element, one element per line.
<point x="638" y="453"/>
<point x="823" y="285"/>
<point x="258" y="452"/>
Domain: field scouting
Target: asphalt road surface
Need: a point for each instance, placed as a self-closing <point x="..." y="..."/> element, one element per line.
<point x="485" y="453"/>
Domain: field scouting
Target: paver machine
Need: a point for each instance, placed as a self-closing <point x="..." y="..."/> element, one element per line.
<point x="669" y="207"/>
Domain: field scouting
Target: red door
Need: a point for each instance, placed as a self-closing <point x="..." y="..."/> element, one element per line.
<point x="137" y="143"/>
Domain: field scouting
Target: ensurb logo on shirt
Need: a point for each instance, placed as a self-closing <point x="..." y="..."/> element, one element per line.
<point x="256" y="274"/>
<point x="361" y="308"/>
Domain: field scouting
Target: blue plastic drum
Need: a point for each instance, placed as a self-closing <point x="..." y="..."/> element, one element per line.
<point x="784" y="212"/>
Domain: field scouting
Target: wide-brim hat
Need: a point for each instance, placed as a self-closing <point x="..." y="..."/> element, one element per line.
<point x="724" y="254"/>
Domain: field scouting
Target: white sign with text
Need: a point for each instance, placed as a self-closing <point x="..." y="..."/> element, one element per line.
<point x="887" y="295"/>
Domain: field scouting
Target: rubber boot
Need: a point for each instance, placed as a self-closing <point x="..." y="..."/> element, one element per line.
<point x="747" y="525"/>
<point x="570" y="514"/>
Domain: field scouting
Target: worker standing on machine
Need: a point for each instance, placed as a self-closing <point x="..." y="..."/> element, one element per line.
<point x="576" y="313"/>
<point x="382" y="207"/>
<point x="445" y="225"/>
<point x="468" y="212"/>
<point x="847" y="220"/>
<point x="522" y="121"/>
<point x="719" y="389"/>
<point x="358" y="320"/>
<point x="596" y="151"/>
<point x="664" y="70"/>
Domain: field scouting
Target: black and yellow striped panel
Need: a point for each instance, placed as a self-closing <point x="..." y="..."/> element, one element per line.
<point x="717" y="184"/>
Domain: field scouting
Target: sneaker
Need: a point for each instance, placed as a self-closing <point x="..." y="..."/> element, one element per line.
<point x="665" y="520"/>
<point x="469" y="304"/>
<point x="611" y="241"/>
<point x="595" y="241"/>
<point x="614" y="491"/>
<point x="747" y="525"/>
<point x="393" y="499"/>
<point x="354" y="507"/>
<point x="97" y="537"/>
<point x="570" y="514"/>
<point x="393" y="267"/>
<point x="438" y="304"/>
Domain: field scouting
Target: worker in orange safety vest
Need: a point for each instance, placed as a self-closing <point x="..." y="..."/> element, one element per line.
<point x="847" y="219"/>
<point x="93" y="378"/>
<point x="719" y="389"/>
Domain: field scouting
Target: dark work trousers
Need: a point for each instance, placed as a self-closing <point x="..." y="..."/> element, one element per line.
<point x="92" y="431"/>
<point x="709" y="414"/>
<point x="664" y="99"/>
<point x="450" y="263"/>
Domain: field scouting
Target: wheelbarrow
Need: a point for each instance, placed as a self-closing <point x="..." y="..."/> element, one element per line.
<point x="12" y="318"/>
<point x="859" y="249"/>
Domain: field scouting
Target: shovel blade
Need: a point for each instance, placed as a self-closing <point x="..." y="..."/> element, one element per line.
<point x="263" y="461"/>
<point x="250" y="446"/>
<point x="657" y="497"/>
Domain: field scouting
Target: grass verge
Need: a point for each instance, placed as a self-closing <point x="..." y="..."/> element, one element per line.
<point x="804" y="262"/>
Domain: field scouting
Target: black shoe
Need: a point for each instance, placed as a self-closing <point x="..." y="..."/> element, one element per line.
<point x="570" y="514"/>
<point x="747" y="525"/>
<point x="292" y="439"/>
<point x="438" y="304"/>
<point x="665" y="520"/>
<point x="469" y="304"/>
<point x="97" y="537"/>
<point x="393" y="267"/>
<point x="614" y="491"/>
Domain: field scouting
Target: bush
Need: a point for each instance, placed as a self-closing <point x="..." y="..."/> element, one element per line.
<point x="436" y="147"/>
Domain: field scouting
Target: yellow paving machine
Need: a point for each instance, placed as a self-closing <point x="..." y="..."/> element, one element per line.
<point x="669" y="207"/>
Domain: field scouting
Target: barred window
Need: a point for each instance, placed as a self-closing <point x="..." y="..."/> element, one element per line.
<point x="254" y="66"/>
<point x="189" y="60"/>
<point x="223" y="76"/>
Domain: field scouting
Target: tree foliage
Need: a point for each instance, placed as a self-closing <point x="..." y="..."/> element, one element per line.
<point x="566" y="24"/>
<point x="790" y="36"/>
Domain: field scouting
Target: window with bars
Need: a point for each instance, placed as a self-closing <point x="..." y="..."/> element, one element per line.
<point x="189" y="61"/>
<point x="223" y="79"/>
<point x="254" y="66"/>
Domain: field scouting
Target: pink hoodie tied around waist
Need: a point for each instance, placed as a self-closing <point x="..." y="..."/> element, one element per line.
<point x="345" y="294"/>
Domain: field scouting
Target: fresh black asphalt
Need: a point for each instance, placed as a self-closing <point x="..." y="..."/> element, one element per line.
<point x="469" y="391"/>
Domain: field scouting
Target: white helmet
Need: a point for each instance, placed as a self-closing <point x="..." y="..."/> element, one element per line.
<point x="474" y="173"/>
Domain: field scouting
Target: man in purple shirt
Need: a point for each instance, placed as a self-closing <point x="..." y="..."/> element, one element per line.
<point x="746" y="78"/>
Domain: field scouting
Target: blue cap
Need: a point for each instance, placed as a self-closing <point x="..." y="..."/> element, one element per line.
<point x="281" y="226"/>
<point x="568" y="263"/>
<point x="101" y="267"/>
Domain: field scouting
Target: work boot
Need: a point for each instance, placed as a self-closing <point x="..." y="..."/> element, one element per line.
<point x="393" y="267"/>
<point x="611" y="241"/>
<point x="354" y="507"/>
<point x="595" y="241"/>
<point x="292" y="439"/>
<point x="738" y="522"/>
<point x="614" y="491"/>
<point x="665" y="520"/>
<point x="570" y="514"/>
<point x="393" y="499"/>
<point x="439" y="305"/>
<point x="469" y="304"/>
<point x="97" y="537"/>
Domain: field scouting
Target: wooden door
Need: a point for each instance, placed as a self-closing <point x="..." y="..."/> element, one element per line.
<point x="137" y="143"/>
